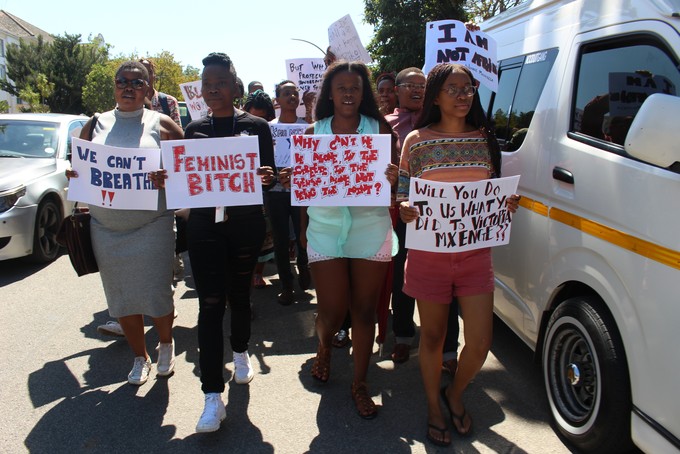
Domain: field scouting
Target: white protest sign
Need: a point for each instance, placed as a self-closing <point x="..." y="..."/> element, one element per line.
<point x="345" y="42"/>
<point x="281" y="134"/>
<point x="114" y="177"/>
<point x="194" y="99"/>
<point x="449" y="41"/>
<point x="627" y="91"/>
<point x="212" y="172"/>
<point x="340" y="170"/>
<point x="457" y="217"/>
<point x="307" y="74"/>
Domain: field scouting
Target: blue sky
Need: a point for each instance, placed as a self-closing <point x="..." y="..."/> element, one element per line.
<point x="257" y="38"/>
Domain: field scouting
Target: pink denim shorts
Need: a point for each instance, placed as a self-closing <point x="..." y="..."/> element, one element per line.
<point x="439" y="276"/>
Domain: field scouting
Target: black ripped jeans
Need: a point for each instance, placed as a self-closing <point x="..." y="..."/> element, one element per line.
<point x="222" y="257"/>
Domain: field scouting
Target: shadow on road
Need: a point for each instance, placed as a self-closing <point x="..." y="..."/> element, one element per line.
<point x="15" y="270"/>
<point x="100" y="412"/>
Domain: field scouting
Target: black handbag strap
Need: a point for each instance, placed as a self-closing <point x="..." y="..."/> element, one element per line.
<point x="93" y="123"/>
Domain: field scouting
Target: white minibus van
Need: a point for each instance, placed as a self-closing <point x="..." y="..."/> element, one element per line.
<point x="587" y="112"/>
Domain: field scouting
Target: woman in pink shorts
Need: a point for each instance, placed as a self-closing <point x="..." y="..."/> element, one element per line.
<point x="452" y="143"/>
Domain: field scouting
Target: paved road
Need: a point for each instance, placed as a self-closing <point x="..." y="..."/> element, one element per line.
<point x="63" y="387"/>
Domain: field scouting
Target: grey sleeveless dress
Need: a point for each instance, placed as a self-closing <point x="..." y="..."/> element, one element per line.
<point x="134" y="248"/>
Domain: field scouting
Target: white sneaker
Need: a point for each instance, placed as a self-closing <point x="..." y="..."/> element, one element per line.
<point x="140" y="371"/>
<point x="166" y="359"/>
<point x="111" y="328"/>
<point x="213" y="413"/>
<point x="243" y="371"/>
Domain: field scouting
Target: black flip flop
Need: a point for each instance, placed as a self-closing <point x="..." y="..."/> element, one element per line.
<point x="442" y="432"/>
<point x="454" y="417"/>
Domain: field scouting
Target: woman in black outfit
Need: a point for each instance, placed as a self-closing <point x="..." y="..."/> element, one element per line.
<point x="223" y="254"/>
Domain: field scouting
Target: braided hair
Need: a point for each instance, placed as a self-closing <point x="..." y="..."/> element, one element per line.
<point x="220" y="59"/>
<point x="260" y="100"/>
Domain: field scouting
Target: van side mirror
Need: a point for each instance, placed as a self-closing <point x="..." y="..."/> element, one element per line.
<point x="653" y="135"/>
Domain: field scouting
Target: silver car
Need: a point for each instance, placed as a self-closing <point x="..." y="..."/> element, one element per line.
<point x="34" y="153"/>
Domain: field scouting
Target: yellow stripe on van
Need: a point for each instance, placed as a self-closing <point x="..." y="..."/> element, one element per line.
<point x="533" y="205"/>
<point x="661" y="254"/>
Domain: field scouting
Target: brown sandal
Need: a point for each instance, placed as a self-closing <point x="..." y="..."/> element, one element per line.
<point x="321" y="368"/>
<point x="365" y="405"/>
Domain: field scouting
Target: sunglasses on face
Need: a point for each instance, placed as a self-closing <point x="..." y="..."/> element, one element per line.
<point x="137" y="84"/>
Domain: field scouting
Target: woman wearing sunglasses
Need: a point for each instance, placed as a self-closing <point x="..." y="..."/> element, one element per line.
<point x="135" y="248"/>
<point x="452" y="143"/>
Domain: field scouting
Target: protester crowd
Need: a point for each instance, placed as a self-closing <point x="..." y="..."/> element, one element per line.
<point x="353" y="256"/>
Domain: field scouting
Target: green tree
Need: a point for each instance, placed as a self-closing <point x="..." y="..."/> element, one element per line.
<point x="480" y="10"/>
<point x="36" y="99"/>
<point x="98" y="92"/>
<point x="70" y="63"/>
<point x="65" y="62"/>
<point x="168" y="74"/>
<point x="399" y="38"/>
<point x="24" y="62"/>
<point x="190" y="74"/>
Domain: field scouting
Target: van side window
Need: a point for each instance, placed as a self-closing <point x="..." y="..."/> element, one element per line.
<point x="614" y="79"/>
<point x="521" y="82"/>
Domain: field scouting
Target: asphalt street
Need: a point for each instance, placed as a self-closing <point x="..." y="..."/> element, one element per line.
<point x="63" y="387"/>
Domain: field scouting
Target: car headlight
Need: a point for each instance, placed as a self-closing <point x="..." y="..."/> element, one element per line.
<point x="9" y="198"/>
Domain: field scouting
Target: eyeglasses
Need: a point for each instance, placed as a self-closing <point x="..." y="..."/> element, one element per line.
<point x="454" y="92"/>
<point x="137" y="84"/>
<point x="412" y="86"/>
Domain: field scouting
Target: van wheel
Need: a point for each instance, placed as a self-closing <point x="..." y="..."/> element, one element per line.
<point x="586" y="377"/>
<point x="47" y="223"/>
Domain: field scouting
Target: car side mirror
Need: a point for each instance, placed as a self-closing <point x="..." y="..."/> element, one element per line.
<point x="653" y="135"/>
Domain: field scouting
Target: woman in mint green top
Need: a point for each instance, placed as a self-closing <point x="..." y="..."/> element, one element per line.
<point x="351" y="232"/>
<point x="349" y="248"/>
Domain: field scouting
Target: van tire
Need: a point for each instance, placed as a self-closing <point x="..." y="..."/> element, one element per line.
<point x="586" y="377"/>
<point x="47" y="222"/>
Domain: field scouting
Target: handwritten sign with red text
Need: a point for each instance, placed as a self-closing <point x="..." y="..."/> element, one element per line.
<point x="212" y="172"/>
<point x="457" y="217"/>
<point x="114" y="177"/>
<point x="340" y="170"/>
<point x="194" y="99"/>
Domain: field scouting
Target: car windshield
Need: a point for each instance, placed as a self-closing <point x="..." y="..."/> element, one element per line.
<point x="28" y="139"/>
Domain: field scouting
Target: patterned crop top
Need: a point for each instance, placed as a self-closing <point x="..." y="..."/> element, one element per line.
<point x="438" y="156"/>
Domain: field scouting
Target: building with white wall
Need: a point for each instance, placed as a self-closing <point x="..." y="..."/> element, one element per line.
<point x="12" y="30"/>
